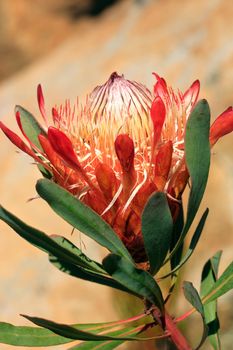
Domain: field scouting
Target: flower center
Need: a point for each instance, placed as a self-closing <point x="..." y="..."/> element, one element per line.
<point x="117" y="107"/>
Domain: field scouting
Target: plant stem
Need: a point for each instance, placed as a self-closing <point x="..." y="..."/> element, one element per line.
<point x="175" y="334"/>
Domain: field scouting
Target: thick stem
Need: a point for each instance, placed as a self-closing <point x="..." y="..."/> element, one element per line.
<point x="175" y="334"/>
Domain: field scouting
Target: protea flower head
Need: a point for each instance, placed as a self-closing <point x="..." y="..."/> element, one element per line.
<point x="123" y="144"/>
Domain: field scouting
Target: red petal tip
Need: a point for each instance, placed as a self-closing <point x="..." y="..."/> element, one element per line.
<point x="158" y="111"/>
<point x="124" y="148"/>
<point x="160" y="87"/>
<point x="62" y="145"/>
<point x="16" y="140"/>
<point x="40" y="97"/>
<point x="41" y="103"/>
<point x="223" y="125"/>
<point x="191" y="95"/>
<point x="160" y="79"/>
<point x="17" y="117"/>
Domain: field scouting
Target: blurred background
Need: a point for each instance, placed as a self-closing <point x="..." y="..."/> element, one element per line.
<point x="70" y="46"/>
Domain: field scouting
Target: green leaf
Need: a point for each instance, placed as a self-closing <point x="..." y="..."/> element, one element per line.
<point x="29" y="336"/>
<point x="84" y="260"/>
<point x="34" y="336"/>
<point x="208" y="279"/>
<point x="32" y="129"/>
<point x="177" y="256"/>
<point x="63" y="258"/>
<point x="193" y="297"/>
<point x="105" y="345"/>
<point x="197" y="153"/>
<point x="81" y="216"/>
<point x="46" y="173"/>
<point x="215" y="260"/>
<point x="223" y="285"/>
<point x="77" y="334"/>
<point x="177" y="229"/>
<point x="87" y="275"/>
<point x="192" y="245"/>
<point x="94" y="345"/>
<point x="181" y="261"/>
<point x="39" y="239"/>
<point x="157" y="227"/>
<point x="30" y="126"/>
<point x="136" y="280"/>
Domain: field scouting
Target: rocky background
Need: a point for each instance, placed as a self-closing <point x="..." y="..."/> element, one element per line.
<point x="70" y="46"/>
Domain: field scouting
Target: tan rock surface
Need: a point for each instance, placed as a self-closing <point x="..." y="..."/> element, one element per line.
<point x="182" y="41"/>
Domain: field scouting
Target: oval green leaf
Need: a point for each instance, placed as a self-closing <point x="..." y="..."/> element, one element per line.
<point x="157" y="225"/>
<point x="197" y="155"/>
<point x="136" y="280"/>
<point x="30" y="126"/>
<point x="193" y="297"/>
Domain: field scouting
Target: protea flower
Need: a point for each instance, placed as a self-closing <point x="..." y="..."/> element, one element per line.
<point x="123" y="144"/>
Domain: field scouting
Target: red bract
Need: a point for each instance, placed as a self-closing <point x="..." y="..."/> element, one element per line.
<point x="221" y="126"/>
<point x="125" y="143"/>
